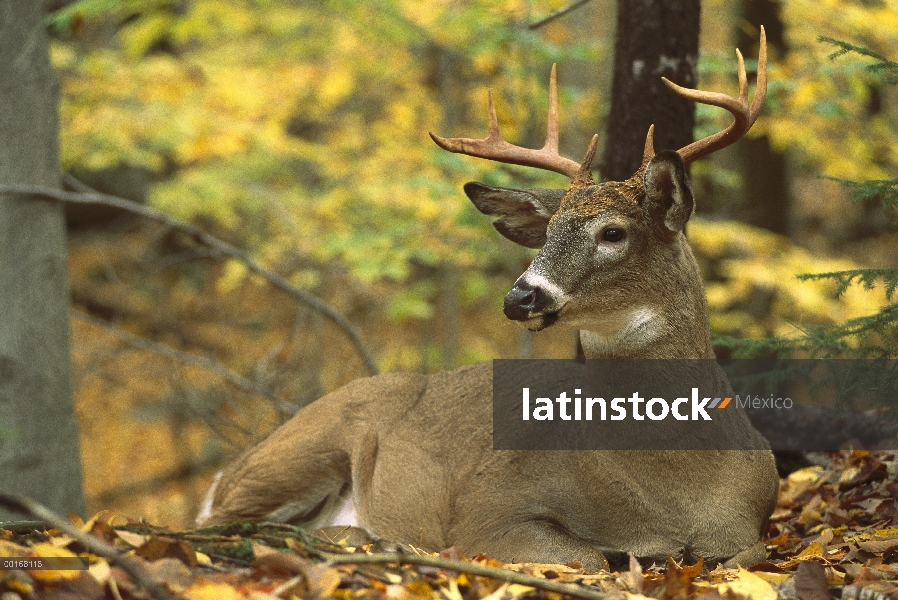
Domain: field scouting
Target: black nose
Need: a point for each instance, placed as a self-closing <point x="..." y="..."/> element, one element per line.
<point x="524" y="300"/>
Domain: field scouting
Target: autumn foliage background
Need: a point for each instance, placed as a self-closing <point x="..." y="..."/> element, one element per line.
<point x="298" y="132"/>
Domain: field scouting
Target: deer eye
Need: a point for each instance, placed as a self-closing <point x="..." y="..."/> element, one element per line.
<point x="613" y="234"/>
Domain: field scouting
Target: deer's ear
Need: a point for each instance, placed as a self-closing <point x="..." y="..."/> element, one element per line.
<point x="523" y="215"/>
<point x="667" y="190"/>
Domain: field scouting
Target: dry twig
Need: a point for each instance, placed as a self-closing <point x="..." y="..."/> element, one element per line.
<point x="131" y="565"/>
<point x="219" y="246"/>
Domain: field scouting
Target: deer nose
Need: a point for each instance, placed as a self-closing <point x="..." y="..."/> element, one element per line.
<point x="524" y="301"/>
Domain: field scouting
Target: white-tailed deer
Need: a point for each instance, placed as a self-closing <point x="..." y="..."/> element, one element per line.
<point x="414" y="452"/>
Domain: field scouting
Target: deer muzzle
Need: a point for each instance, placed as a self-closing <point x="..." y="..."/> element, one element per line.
<point x="531" y="304"/>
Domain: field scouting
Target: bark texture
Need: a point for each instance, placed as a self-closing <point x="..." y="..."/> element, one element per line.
<point x="766" y="175"/>
<point x="655" y="38"/>
<point x="39" y="449"/>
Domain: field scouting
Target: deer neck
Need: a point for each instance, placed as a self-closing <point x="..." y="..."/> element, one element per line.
<point x="673" y="324"/>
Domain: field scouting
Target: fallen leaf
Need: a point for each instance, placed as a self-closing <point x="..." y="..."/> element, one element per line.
<point x="205" y="590"/>
<point x="774" y="578"/>
<point x="156" y="548"/>
<point x="47" y="550"/>
<point x="173" y="572"/>
<point x="100" y="570"/>
<point x="633" y="578"/>
<point x="879" y="546"/>
<point x="810" y="581"/>
<point x="135" y="540"/>
<point x="752" y="587"/>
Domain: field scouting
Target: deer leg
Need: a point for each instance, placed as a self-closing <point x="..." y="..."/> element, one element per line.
<point x="753" y="555"/>
<point x="545" y="542"/>
<point x="300" y="474"/>
<point x="303" y="472"/>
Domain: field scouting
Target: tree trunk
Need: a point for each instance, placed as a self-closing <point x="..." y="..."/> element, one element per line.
<point x="39" y="449"/>
<point x="655" y="38"/>
<point x="766" y="177"/>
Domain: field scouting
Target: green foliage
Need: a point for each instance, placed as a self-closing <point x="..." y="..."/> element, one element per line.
<point x="885" y="68"/>
<point x="870" y="336"/>
<point x="821" y="110"/>
<point x="865" y="277"/>
<point x="308" y="121"/>
<point x="884" y="192"/>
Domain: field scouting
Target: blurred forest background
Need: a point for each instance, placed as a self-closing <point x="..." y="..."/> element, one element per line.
<point x="297" y="131"/>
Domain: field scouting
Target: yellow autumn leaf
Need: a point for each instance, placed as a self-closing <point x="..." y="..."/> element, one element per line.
<point x="48" y="550"/>
<point x="234" y="274"/>
<point x="751" y="586"/>
<point x="774" y="578"/>
<point x="100" y="570"/>
<point x="212" y="591"/>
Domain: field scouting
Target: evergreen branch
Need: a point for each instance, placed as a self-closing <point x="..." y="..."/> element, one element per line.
<point x="878" y="190"/>
<point x="219" y="246"/>
<point x="855" y="338"/>
<point x="885" y="68"/>
<point x="865" y="277"/>
<point x="845" y="48"/>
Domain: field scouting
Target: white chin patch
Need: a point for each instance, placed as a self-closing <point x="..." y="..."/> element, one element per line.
<point x="625" y="329"/>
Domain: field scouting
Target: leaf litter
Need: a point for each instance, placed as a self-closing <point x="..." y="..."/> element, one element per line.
<point x="832" y="536"/>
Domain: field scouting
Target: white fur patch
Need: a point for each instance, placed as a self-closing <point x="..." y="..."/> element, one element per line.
<point x="346" y="514"/>
<point x="535" y="280"/>
<point x="624" y="329"/>
<point x="206" y="506"/>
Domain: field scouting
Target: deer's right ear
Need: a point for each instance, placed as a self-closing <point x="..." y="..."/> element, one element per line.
<point x="523" y="215"/>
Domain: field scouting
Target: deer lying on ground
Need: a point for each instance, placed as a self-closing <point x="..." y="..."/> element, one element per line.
<point x="413" y="453"/>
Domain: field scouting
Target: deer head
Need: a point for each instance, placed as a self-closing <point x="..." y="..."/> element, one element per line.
<point x="613" y="260"/>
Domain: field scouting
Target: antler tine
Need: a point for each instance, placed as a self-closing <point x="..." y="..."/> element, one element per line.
<point x="493" y="147"/>
<point x="551" y="144"/>
<point x="743" y="114"/>
<point x="649" y="150"/>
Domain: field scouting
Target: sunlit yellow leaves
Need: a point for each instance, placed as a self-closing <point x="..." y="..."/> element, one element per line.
<point x="336" y="109"/>
<point x="234" y="274"/>
<point x="822" y="107"/>
<point x="753" y="291"/>
<point x="139" y="36"/>
<point x="210" y="20"/>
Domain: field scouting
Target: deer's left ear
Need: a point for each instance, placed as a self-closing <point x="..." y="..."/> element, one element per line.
<point x="667" y="190"/>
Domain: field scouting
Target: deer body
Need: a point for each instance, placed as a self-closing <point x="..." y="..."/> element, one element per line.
<point x="414" y="452"/>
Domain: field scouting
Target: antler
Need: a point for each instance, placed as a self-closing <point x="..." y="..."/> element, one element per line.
<point x="745" y="116"/>
<point x="493" y="147"/>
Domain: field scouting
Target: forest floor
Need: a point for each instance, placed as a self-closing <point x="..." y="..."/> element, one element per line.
<point x="834" y="534"/>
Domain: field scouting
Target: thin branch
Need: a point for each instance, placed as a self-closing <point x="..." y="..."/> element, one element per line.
<point x="131" y="565"/>
<point x="231" y="377"/>
<point x="557" y="14"/>
<point x="468" y="568"/>
<point x="206" y="239"/>
<point x="152" y="484"/>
